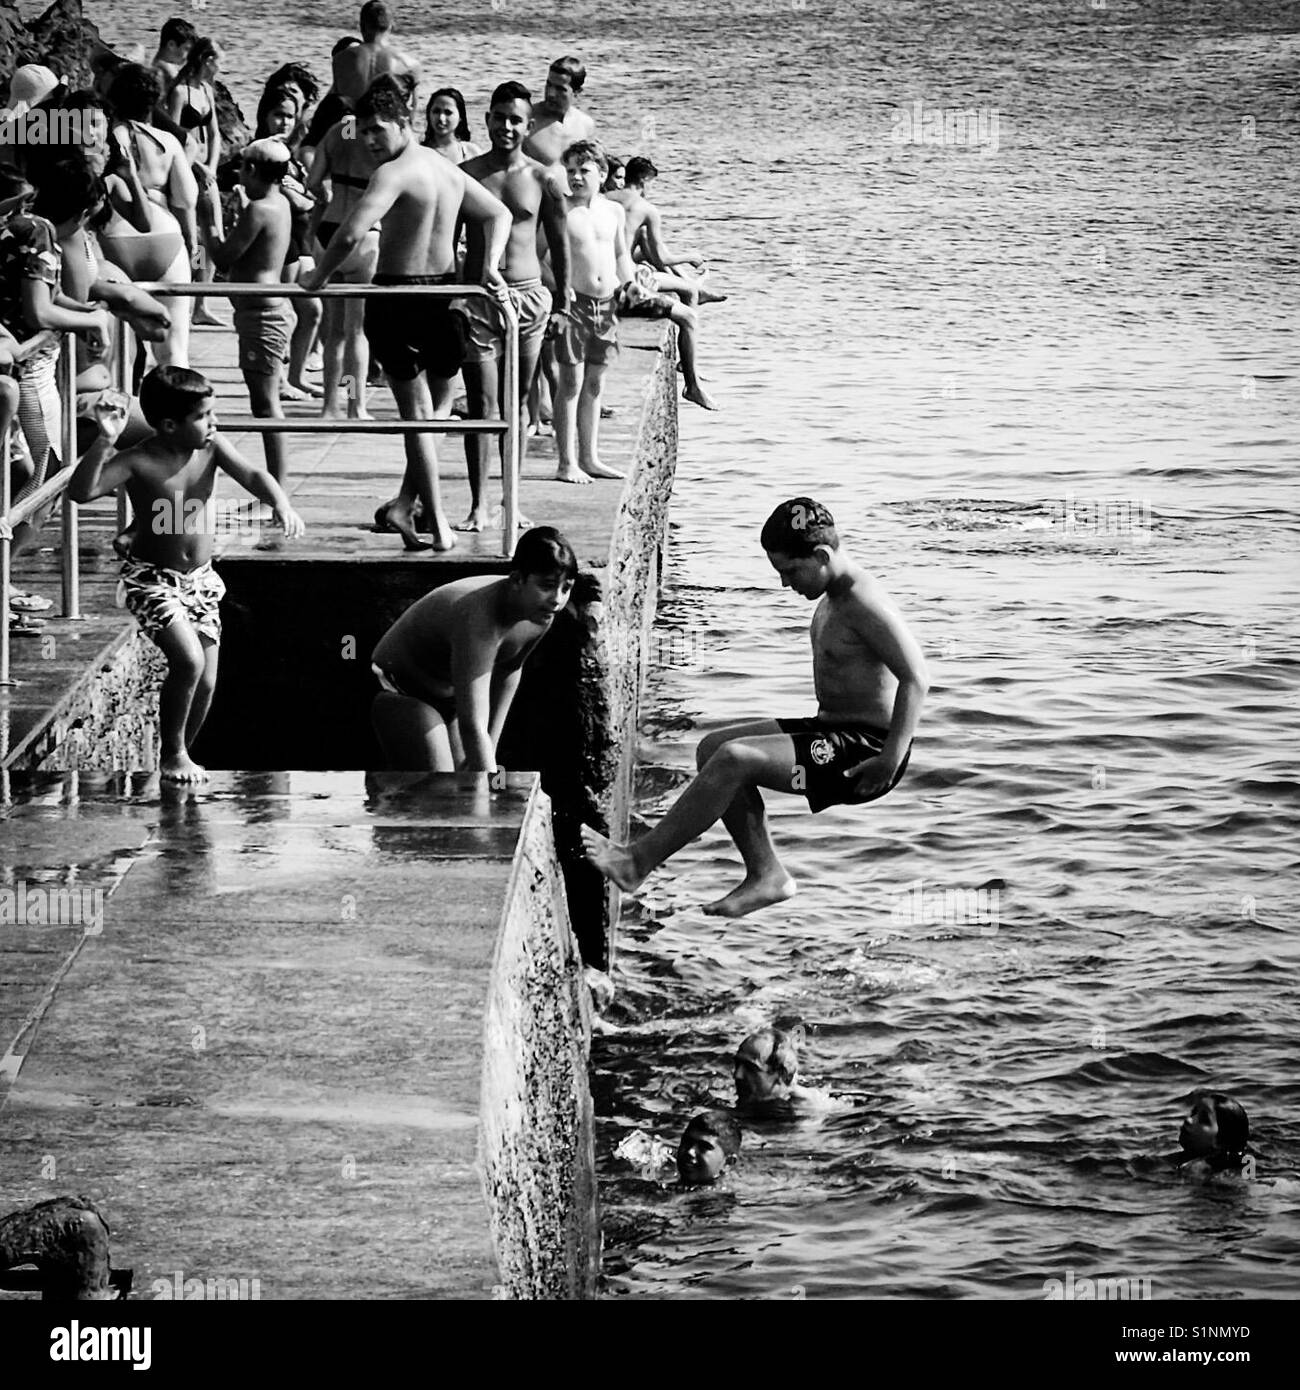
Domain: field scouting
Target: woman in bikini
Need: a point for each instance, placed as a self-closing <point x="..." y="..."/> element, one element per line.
<point x="279" y="114"/>
<point x="446" y="127"/>
<point x="340" y="175"/>
<point x="192" y="104"/>
<point x="163" y="252"/>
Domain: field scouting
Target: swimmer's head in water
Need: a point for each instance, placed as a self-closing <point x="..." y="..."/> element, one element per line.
<point x="564" y="80"/>
<point x="711" y="1141"/>
<point x="510" y="115"/>
<point x="766" y="1066"/>
<point x="1217" y="1125"/>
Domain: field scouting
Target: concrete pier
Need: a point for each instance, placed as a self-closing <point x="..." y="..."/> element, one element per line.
<point x="293" y="1045"/>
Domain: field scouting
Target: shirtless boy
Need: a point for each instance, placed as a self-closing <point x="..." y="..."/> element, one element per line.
<point x="534" y="194"/>
<point x="168" y="580"/>
<point x="357" y="65"/>
<point x="416" y="196"/>
<point x="871" y="680"/>
<point x="254" y="254"/>
<point x="599" y="263"/>
<point x="449" y="667"/>
<point x="558" y="122"/>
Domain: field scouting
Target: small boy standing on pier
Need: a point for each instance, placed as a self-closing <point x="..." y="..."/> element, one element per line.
<point x="598" y="264"/>
<point x="167" y="579"/>
<point x="870" y="679"/>
<point x="254" y="253"/>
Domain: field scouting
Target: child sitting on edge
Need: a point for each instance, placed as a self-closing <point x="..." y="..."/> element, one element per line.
<point x="1216" y="1135"/>
<point x="167" y="578"/>
<point x="711" y="1141"/>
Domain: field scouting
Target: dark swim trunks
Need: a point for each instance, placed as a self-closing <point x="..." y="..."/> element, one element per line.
<point x="410" y="334"/>
<point x="823" y="751"/>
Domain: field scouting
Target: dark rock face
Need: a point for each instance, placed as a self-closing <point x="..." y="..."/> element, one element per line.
<point x="65" y="40"/>
<point x="62" y="39"/>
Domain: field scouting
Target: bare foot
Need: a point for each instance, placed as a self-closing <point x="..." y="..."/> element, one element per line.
<point x="205" y="318"/>
<point x="709" y="297"/>
<point x="751" y="895"/>
<point x="473" y="522"/>
<point x="541" y="430"/>
<point x="444" y="540"/>
<point x="305" y="387"/>
<point x="392" y="517"/>
<point x="570" y="475"/>
<point x="182" y="768"/>
<point x="596" y="469"/>
<point x="290" y="392"/>
<point x="355" y="412"/>
<point x="616" y="862"/>
<point x="331" y="411"/>
<point x="699" y="396"/>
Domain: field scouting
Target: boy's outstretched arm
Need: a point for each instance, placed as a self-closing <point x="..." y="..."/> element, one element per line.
<point x="260" y="483"/>
<point x="884" y="633"/>
<point x="100" y="471"/>
<point x="473" y="661"/>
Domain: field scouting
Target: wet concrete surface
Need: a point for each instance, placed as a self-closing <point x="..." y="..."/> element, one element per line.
<point x="264" y="1059"/>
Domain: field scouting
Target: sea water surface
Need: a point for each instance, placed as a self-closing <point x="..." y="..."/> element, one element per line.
<point x="1047" y="383"/>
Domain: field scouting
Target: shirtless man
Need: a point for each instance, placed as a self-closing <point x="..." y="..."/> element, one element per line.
<point x="174" y="43"/>
<point x="253" y="254"/>
<point x="557" y="121"/>
<point x="871" y="679"/>
<point x="534" y="194"/>
<point x="646" y="239"/>
<point x="356" y="66"/>
<point x="449" y="667"/>
<point x="416" y="196"/>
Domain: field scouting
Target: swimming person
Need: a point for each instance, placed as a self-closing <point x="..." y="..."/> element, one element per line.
<point x="449" y="667"/>
<point x="418" y="198"/>
<point x="766" y="1068"/>
<point x="709" y="1143"/>
<point x="167" y="579"/>
<point x="870" y="679"/>
<point x="1215" y="1133"/>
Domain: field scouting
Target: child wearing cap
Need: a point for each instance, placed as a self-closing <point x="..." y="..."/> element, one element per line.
<point x="254" y="253"/>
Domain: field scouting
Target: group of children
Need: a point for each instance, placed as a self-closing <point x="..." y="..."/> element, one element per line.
<point x="1214" y="1139"/>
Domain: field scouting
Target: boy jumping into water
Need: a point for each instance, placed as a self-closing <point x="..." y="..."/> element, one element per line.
<point x="168" y="580"/>
<point x="871" y="680"/>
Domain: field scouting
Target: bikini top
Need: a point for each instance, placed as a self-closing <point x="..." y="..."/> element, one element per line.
<point x="190" y="117"/>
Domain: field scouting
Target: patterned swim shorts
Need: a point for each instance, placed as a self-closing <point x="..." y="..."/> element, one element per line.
<point x="157" y="597"/>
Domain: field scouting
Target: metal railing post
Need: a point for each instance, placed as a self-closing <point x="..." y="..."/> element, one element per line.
<point x="71" y="540"/>
<point x="510" y="453"/>
<point x="122" y="380"/>
<point x="5" y="503"/>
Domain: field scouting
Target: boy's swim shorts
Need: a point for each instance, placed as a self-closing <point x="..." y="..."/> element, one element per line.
<point x="156" y="597"/>
<point x="823" y="751"/>
<point x="591" y="334"/>
<point x="416" y="333"/>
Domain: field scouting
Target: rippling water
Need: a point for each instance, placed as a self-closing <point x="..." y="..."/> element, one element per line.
<point x="967" y="353"/>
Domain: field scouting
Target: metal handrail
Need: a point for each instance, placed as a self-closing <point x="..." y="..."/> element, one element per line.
<point x="14" y="514"/>
<point x="507" y="426"/>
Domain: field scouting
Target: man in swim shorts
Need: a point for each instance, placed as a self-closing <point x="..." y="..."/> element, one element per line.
<point x="535" y="195"/>
<point x="417" y="197"/>
<point x="871" y="680"/>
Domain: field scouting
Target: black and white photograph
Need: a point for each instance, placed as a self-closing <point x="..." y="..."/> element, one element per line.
<point x="649" y="654"/>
